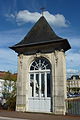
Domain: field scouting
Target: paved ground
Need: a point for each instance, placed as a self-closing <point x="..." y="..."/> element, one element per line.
<point x="6" y="118"/>
<point x="34" y="116"/>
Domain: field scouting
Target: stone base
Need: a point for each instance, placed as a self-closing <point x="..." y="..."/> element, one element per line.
<point x="60" y="113"/>
<point x="20" y="107"/>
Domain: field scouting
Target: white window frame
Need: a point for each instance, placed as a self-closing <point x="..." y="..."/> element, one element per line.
<point x="41" y="69"/>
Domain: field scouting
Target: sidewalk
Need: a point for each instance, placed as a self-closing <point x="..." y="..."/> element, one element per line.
<point x="36" y="116"/>
<point x="8" y="118"/>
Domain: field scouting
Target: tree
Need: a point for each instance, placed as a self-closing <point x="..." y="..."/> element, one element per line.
<point x="9" y="91"/>
<point x="11" y="100"/>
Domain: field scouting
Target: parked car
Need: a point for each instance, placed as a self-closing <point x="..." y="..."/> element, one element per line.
<point x="71" y="95"/>
<point x="77" y="94"/>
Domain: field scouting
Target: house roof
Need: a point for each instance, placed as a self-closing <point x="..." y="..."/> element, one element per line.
<point x="41" y="33"/>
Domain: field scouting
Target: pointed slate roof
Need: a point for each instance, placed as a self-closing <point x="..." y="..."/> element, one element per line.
<point x="41" y="33"/>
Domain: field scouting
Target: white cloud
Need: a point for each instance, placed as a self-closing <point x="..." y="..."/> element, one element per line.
<point x="75" y="42"/>
<point x="11" y="37"/>
<point x="8" y="60"/>
<point x="57" y="20"/>
<point x="25" y="16"/>
<point x="72" y="71"/>
<point x="10" y="16"/>
<point x="73" y="61"/>
<point x="7" y="54"/>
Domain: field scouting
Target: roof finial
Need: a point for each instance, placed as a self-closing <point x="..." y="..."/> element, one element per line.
<point x="42" y="10"/>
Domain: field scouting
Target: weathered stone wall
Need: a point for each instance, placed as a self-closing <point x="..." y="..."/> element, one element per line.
<point x="59" y="83"/>
<point x="22" y="83"/>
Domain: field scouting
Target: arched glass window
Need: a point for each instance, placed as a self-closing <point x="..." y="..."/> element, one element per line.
<point x="40" y="64"/>
<point x="40" y="78"/>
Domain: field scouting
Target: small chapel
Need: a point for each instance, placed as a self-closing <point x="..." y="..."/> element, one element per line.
<point x="41" y="80"/>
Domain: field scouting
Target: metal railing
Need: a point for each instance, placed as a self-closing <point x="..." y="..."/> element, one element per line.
<point x="73" y="106"/>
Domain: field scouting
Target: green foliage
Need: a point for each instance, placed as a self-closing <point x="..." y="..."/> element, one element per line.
<point x="9" y="91"/>
<point x="10" y="96"/>
<point x="9" y="88"/>
<point x="11" y="102"/>
<point x="69" y="105"/>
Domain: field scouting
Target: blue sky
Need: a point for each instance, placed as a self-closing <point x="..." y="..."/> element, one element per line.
<point x="18" y="16"/>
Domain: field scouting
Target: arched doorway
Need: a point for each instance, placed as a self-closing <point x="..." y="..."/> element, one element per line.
<point x="40" y="85"/>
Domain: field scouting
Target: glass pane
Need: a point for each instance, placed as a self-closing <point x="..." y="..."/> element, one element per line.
<point x="36" y="68"/>
<point x="32" y="84"/>
<point x="48" y="85"/>
<point x="47" y="66"/>
<point x="34" y="64"/>
<point x="31" y="76"/>
<point x="31" y="68"/>
<point x="42" y="85"/>
<point x="37" y="85"/>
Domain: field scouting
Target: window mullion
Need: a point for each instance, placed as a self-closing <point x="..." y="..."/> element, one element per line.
<point x="34" y="84"/>
<point x="40" y="85"/>
<point x="45" y="84"/>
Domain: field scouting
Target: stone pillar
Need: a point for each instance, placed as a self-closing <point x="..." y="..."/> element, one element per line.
<point x="21" y="84"/>
<point x="58" y="83"/>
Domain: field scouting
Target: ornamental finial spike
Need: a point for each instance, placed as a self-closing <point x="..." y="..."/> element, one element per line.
<point x="42" y="10"/>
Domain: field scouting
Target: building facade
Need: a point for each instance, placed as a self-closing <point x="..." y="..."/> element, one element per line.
<point x="73" y="84"/>
<point x="1" y="87"/>
<point x="41" y="81"/>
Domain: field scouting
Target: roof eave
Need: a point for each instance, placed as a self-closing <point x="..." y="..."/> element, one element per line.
<point x="42" y="43"/>
<point x="37" y="43"/>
